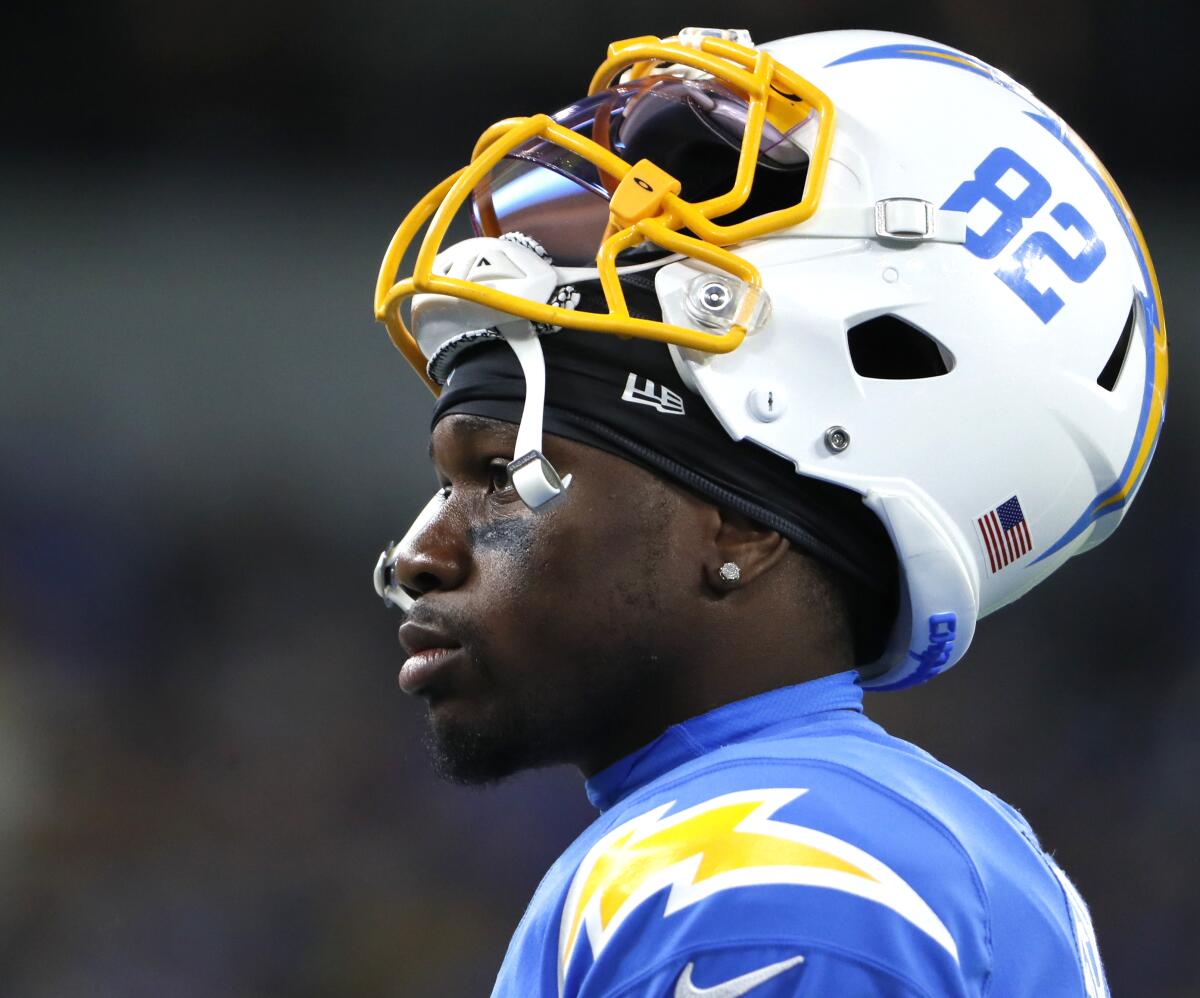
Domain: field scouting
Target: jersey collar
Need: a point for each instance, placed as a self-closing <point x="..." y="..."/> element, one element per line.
<point x="758" y="717"/>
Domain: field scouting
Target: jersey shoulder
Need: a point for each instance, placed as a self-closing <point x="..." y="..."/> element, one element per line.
<point x="857" y="852"/>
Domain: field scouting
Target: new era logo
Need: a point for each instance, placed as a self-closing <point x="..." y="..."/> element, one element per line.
<point x="661" y="397"/>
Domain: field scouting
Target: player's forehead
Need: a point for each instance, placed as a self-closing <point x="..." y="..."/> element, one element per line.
<point x="460" y="431"/>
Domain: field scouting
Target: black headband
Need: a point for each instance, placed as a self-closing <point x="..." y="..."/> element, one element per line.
<point x="626" y="397"/>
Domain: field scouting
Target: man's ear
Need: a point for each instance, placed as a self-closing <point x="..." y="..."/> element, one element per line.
<point x="752" y="548"/>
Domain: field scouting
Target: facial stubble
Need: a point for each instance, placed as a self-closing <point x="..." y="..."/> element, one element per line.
<point x="586" y="691"/>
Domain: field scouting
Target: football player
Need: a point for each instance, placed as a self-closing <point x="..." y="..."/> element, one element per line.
<point x="769" y="372"/>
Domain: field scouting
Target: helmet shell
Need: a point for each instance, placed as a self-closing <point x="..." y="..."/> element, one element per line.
<point x="1026" y="314"/>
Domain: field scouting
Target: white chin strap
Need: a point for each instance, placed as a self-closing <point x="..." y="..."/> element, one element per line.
<point x="532" y="475"/>
<point x="442" y="324"/>
<point x="515" y="264"/>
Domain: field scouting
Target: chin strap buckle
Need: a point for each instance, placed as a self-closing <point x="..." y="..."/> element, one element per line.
<point x="535" y="479"/>
<point x="532" y="475"/>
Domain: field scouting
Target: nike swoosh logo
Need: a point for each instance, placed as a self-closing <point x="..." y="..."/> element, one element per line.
<point x="684" y="988"/>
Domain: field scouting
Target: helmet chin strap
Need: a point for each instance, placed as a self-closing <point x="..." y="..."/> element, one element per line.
<point x="532" y="475"/>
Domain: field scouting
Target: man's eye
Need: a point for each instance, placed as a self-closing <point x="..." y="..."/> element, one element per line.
<point x="498" y="478"/>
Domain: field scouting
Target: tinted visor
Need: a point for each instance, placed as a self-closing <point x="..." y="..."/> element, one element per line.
<point x="692" y="129"/>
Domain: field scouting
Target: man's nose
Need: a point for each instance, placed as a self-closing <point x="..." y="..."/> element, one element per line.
<point x="432" y="556"/>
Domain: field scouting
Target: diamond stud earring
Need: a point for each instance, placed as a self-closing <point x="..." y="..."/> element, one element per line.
<point x="729" y="572"/>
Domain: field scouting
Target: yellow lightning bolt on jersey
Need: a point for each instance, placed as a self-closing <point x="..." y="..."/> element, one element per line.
<point x="729" y="841"/>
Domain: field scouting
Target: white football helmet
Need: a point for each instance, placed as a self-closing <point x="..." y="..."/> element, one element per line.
<point x="920" y="285"/>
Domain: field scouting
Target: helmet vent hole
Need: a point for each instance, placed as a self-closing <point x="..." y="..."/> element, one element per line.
<point x="891" y="349"/>
<point x="1116" y="361"/>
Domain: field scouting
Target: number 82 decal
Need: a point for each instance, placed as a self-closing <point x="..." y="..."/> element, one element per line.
<point x="1014" y="211"/>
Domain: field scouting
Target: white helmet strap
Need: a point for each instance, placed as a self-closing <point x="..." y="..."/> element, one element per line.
<point x="532" y="475"/>
<point x="900" y="220"/>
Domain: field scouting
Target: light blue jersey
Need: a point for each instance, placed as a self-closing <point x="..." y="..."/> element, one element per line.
<point x="787" y="845"/>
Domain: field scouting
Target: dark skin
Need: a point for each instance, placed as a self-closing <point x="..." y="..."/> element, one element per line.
<point x="583" y="630"/>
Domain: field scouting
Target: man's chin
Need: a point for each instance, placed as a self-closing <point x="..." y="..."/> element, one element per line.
<point x="474" y="754"/>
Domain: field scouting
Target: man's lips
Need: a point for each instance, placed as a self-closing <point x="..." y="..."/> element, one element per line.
<point x="428" y="651"/>
<point x="421" y="669"/>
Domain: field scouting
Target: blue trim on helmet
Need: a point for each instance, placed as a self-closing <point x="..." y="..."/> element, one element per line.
<point x="930" y="661"/>
<point x="926" y="53"/>
<point x="1147" y="300"/>
<point x="1150" y="322"/>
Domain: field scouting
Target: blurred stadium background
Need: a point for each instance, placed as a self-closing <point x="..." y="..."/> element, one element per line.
<point x="209" y="782"/>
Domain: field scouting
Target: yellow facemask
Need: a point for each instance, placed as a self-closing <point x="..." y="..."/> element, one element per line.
<point x="645" y="205"/>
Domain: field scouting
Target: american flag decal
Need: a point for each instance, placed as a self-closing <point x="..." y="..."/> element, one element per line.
<point x="1005" y="534"/>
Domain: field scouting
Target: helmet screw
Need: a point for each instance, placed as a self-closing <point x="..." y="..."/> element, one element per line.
<point x="837" y="439"/>
<point x="766" y="404"/>
<point x="714" y="296"/>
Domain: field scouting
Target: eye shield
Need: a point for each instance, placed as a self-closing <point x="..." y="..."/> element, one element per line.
<point x="573" y="178"/>
<point x="691" y="129"/>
